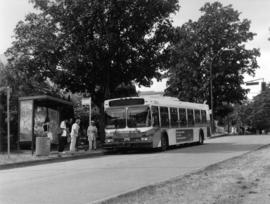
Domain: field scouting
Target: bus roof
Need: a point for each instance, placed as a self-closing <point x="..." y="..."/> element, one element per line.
<point x="162" y="101"/>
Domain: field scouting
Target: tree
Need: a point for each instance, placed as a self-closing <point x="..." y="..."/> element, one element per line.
<point x="124" y="90"/>
<point x="21" y="85"/>
<point x="199" y="44"/>
<point x="254" y="114"/>
<point x="96" y="45"/>
<point x="259" y="114"/>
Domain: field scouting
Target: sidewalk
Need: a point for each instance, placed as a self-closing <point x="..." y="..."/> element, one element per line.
<point x="25" y="158"/>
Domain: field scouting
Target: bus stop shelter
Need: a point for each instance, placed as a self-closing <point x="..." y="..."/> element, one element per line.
<point x="37" y="112"/>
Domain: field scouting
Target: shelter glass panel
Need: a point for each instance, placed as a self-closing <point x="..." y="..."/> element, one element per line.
<point x="26" y="120"/>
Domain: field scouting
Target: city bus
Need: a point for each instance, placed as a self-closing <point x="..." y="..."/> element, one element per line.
<point x="154" y="122"/>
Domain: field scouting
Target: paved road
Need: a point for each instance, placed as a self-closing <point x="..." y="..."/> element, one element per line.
<point x="88" y="180"/>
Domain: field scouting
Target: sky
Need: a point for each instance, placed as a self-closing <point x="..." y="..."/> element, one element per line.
<point x="12" y="11"/>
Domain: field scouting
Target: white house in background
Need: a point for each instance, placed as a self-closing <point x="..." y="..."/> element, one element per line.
<point x="148" y="93"/>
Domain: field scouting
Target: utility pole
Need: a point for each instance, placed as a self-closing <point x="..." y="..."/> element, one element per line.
<point x="8" y="121"/>
<point x="211" y="97"/>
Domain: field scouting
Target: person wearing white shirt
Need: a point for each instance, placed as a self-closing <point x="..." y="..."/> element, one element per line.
<point x="63" y="136"/>
<point x="92" y="134"/>
<point x="74" y="134"/>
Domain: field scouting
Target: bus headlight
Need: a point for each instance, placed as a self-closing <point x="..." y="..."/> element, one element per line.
<point x="146" y="138"/>
<point x="108" y="140"/>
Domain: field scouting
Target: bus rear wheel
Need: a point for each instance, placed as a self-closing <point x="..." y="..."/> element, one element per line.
<point x="164" y="143"/>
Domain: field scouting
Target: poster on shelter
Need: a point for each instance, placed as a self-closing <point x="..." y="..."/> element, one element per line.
<point x="54" y="124"/>
<point x="26" y="120"/>
<point x="40" y="117"/>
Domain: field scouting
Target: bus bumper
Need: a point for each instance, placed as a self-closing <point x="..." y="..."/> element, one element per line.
<point x="128" y="145"/>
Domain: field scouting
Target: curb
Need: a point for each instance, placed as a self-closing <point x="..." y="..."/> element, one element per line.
<point x="217" y="136"/>
<point x="51" y="160"/>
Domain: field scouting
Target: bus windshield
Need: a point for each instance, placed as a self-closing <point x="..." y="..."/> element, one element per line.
<point x="138" y="116"/>
<point x="115" y="118"/>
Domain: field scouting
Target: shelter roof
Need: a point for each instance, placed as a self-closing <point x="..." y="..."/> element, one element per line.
<point x="46" y="99"/>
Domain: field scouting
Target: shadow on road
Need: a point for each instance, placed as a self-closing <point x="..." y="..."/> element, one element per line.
<point x="206" y="148"/>
<point x="215" y="148"/>
<point x="127" y="151"/>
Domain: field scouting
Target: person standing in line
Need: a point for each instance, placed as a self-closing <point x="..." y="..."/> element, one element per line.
<point x="74" y="134"/>
<point x="63" y="136"/>
<point x="69" y="125"/>
<point x="92" y="135"/>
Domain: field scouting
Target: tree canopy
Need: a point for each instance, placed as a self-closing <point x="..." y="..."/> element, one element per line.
<point x="21" y="85"/>
<point x="254" y="114"/>
<point x="259" y="114"/>
<point x="96" y="45"/>
<point x="217" y="38"/>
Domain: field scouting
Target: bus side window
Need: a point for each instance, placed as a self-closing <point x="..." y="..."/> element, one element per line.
<point x="204" y="120"/>
<point x="164" y="114"/>
<point x="182" y="117"/>
<point x="197" y="116"/>
<point x="190" y="117"/>
<point x="155" y="116"/>
<point x="174" y="117"/>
